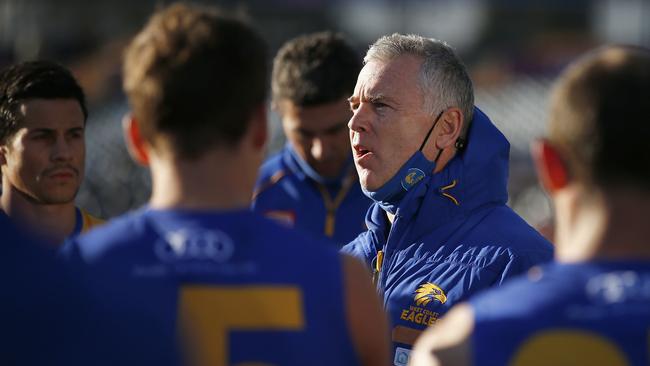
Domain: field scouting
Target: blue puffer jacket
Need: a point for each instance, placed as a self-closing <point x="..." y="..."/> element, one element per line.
<point x="452" y="236"/>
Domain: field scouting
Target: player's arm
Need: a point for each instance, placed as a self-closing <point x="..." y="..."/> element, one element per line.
<point x="448" y="341"/>
<point x="366" y="318"/>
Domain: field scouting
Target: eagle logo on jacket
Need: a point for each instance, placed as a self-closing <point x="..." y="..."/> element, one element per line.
<point x="412" y="177"/>
<point x="428" y="292"/>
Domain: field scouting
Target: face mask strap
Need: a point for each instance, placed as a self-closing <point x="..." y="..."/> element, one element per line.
<point x="426" y="138"/>
<point x="431" y="130"/>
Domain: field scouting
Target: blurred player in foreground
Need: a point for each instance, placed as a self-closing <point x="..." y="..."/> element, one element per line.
<point x="312" y="184"/>
<point x="237" y="287"/>
<point x="592" y="307"/>
<point x="42" y="149"/>
<point x="40" y="312"/>
<point x="48" y="318"/>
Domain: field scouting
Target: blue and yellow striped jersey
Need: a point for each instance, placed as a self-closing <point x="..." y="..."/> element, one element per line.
<point x="235" y="286"/>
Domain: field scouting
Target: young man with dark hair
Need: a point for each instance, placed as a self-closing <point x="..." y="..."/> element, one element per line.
<point x="591" y="307"/>
<point x="312" y="184"/>
<point x="42" y="149"/>
<point x="238" y="287"/>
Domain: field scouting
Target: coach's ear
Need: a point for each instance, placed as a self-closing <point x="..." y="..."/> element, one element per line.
<point x="451" y="125"/>
<point x="135" y="144"/>
<point x="551" y="170"/>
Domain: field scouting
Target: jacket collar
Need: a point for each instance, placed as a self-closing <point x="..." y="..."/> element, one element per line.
<point x="476" y="176"/>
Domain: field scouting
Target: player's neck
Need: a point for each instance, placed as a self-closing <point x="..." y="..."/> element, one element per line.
<point x="52" y="222"/>
<point x="605" y="227"/>
<point x="219" y="180"/>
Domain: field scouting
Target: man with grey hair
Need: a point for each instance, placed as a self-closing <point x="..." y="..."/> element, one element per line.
<point x="436" y="169"/>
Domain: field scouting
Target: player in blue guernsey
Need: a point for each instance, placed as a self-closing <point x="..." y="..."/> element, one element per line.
<point x="237" y="288"/>
<point x="48" y="319"/>
<point x="592" y="306"/>
<point x="39" y="307"/>
<point x="312" y="184"/>
<point x="42" y="149"/>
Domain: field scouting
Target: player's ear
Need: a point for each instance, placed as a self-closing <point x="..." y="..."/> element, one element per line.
<point x="259" y="128"/>
<point x="551" y="170"/>
<point x="135" y="144"/>
<point x="451" y="125"/>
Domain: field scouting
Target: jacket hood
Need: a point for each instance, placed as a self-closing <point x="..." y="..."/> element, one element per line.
<point x="482" y="169"/>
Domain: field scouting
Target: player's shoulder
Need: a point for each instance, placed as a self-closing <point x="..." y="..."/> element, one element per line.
<point x="538" y="291"/>
<point x="270" y="173"/>
<point x="273" y="167"/>
<point x="272" y="164"/>
<point x="512" y="232"/>
<point x="112" y="235"/>
<point x="291" y="239"/>
<point x="89" y="221"/>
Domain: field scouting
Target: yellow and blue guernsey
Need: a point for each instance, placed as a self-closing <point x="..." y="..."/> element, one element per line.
<point x="452" y="236"/>
<point x="567" y="314"/>
<point x="237" y="287"/>
<point x="289" y="191"/>
<point x="84" y="222"/>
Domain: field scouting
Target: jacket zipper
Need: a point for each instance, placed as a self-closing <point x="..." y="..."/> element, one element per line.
<point x="384" y="256"/>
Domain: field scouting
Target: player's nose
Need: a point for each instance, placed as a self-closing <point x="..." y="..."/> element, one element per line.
<point x="62" y="150"/>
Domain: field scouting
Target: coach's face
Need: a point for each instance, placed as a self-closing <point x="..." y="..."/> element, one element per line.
<point x="44" y="159"/>
<point x="389" y="120"/>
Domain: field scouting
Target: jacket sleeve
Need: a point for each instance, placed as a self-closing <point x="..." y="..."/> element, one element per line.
<point x="520" y="263"/>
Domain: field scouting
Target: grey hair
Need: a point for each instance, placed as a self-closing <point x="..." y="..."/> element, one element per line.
<point x="443" y="77"/>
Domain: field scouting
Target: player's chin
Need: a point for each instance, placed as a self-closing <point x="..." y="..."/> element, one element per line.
<point x="368" y="180"/>
<point x="59" y="195"/>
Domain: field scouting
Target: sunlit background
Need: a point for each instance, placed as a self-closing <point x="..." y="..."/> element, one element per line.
<point x="513" y="50"/>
